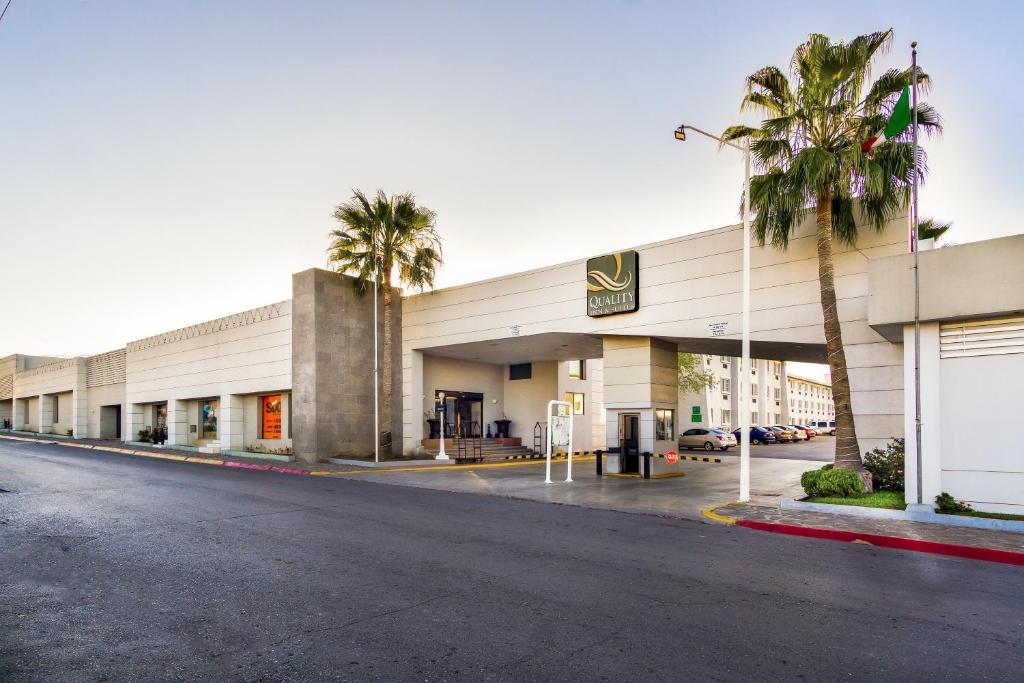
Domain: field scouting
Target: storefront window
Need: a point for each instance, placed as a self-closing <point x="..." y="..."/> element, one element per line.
<point x="208" y="410"/>
<point x="664" y="421"/>
<point x="160" y="416"/>
<point x="577" y="369"/>
<point x="270" y="417"/>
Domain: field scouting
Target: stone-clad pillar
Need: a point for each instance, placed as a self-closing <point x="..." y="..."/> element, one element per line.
<point x="45" y="404"/>
<point x="229" y="423"/>
<point x="177" y="423"/>
<point x="134" y="421"/>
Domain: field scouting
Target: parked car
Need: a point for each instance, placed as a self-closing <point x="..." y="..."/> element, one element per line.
<point x="798" y="433"/>
<point x="825" y="427"/>
<point x="708" y="439"/>
<point x="782" y="435"/>
<point x="758" y="435"/>
<point x="809" y="431"/>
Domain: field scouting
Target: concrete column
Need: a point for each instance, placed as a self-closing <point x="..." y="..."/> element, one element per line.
<point x="931" y="446"/>
<point x="45" y="404"/>
<point x="230" y="422"/>
<point x="7" y="411"/>
<point x="80" y="413"/>
<point x="177" y="423"/>
<point x="784" y="385"/>
<point x="20" y="413"/>
<point x="412" y="401"/>
<point x="134" y="421"/>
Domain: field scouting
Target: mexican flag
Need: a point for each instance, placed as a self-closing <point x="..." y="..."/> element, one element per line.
<point x="899" y="121"/>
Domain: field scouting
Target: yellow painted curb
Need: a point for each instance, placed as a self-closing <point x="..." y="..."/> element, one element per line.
<point x="711" y="514"/>
<point x="668" y="475"/>
<point x="204" y="461"/>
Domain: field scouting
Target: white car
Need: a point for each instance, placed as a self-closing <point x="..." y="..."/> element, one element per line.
<point x="825" y="427"/>
<point x="708" y="439"/>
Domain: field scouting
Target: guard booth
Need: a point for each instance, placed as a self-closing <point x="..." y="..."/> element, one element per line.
<point x="627" y="459"/>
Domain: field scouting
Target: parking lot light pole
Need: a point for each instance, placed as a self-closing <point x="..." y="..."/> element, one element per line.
<point x="680" y="134"/>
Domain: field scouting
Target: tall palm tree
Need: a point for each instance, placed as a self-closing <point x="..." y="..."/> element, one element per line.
<point x="380" y="236"/>
<point x="931" y="229"/>
<point x="808" y="155"/>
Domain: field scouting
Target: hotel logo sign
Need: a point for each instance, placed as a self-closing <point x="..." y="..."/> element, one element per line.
<point x="613" y="284"/>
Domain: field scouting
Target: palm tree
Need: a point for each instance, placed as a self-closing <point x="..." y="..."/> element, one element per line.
<point x="808" y="155"/>
<point x="931" y="229"/>
<point x="378" y="236"/>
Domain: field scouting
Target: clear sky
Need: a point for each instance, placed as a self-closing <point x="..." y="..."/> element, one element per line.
<point x="164" y="163"/>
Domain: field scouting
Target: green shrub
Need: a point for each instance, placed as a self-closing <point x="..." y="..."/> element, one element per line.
<point x="949" y="505"/>
<point x="832" y="482"/>
<point x="887" y="466"/>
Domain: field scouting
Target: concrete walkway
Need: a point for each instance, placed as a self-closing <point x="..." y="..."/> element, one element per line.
<point x="915" y="531"/>
<point x="703" y="484"/>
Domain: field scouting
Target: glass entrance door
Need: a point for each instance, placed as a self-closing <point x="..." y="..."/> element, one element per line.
<point x="629" y="443"/>
<point x="464" y="413"/>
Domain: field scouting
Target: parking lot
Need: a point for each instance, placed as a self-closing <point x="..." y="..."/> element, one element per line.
<point x="819" y="449"/>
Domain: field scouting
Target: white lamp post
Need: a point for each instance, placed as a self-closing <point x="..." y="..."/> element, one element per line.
<point x="680" y="134"/>
<point x="441" y="455"/>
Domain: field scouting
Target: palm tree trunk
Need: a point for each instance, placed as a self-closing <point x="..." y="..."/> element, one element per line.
<point x="386" y="370"/>
<point x="847" y="453"/>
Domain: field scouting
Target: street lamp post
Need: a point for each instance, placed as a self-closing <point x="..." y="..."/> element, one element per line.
<point x="680" y="134"/>
<point x="441" y="455"/>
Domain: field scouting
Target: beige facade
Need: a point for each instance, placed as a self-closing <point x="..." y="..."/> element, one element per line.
<point x="809" y="400"/>
<point x="689" y="299"/>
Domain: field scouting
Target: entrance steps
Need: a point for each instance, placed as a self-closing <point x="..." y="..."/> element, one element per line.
<point x="490" y="449"/>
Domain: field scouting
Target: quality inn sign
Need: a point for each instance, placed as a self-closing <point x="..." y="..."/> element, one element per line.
<point x="613" y="284"/>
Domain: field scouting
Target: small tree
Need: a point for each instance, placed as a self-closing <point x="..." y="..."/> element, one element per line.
<point x="692" y="375"/>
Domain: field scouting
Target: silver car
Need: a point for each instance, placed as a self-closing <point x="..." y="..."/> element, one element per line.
<point x="708" y="439"/>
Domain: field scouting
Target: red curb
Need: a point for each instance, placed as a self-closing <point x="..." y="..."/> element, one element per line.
<point x="247" y="465"/>
<point x="966" y="551"/>
<point x="287" y="470"/>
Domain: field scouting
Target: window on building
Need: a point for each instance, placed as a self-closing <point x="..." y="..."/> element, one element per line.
<point x="725" y="362"/>
<point x="664" y="424"/>
<point x="576" y="399"/>
<point x="727" y="418"/>
<point x="753" y="393"/>
<point x="208" y="410"/>
<point x="270" y="416"/>
<point x="778" y="394"/>
<point x="726" y="385"/>
<point x="520" y="371"/>
<point x="755" y="418"/>
<point x="577" y="369"/>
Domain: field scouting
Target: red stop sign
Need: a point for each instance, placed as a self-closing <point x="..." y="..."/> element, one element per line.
<point x="671" y="457"/>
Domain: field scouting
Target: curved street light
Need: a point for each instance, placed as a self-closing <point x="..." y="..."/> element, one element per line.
<point x="680" y="134"/>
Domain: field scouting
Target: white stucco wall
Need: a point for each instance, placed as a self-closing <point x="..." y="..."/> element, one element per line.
<point x="244" y="353"/>
<point x="107" y="395"/>
<point x="526" y="400"/>
<point x="979" y="400"/>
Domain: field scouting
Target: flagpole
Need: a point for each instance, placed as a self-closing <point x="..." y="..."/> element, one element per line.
<point x="917" y="283"/>
<point x="376" y="398"/>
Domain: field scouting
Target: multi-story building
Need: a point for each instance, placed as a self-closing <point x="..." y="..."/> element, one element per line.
<point x="718" y="405"/>
<point x="809" y="400"/>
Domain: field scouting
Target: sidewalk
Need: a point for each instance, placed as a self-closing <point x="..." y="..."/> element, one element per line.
<point x="984" y="544"/>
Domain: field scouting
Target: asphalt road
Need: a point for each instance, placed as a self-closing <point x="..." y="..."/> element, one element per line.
<point x="119" y="568"/>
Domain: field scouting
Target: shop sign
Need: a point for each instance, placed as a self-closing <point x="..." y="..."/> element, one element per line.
<point x="270" y="409"/>
<point x="613" y="284"/>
